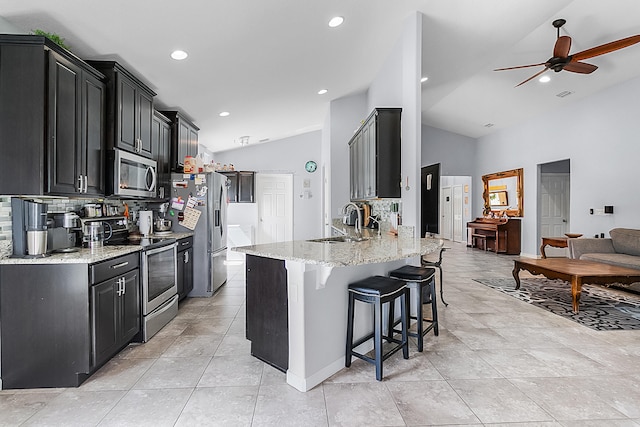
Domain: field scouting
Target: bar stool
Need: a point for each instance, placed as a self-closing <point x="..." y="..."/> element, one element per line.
<point x="417" y="278"/>
<point x="427" y="263"/>
<point x="378" y="290"/>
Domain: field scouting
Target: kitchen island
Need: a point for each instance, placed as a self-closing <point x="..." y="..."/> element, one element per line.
<point x="297" y="299"/>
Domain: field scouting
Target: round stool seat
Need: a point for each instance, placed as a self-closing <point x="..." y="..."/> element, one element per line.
<point x="411" y="273"/>
<point x="376" y="291"/>
<point x="422" y="279"/>
<point x="377" y="286"/>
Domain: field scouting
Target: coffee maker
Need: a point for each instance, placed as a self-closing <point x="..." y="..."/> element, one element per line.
<point x="62" y="232"/>
<point x="29" y="221"/>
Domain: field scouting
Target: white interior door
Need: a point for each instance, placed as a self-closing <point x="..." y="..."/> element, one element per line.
<point x="446" y="223"/>
<point x="554" y="213"/>
<point x="457" y="214"/>
<point x="275" y="207"/>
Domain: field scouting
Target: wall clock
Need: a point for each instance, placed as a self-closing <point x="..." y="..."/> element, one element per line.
<point x="310" y="166"/>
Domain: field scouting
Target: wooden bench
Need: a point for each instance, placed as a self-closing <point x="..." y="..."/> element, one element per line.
<point x="483" y="239"/>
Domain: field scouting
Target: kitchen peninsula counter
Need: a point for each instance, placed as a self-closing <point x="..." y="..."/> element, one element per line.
<point x="297" y="299"/>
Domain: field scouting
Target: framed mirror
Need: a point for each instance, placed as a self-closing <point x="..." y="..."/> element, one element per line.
<point x="503" y="192"/>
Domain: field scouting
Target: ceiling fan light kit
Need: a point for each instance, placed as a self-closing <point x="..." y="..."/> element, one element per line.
<point x="561" y="60"/>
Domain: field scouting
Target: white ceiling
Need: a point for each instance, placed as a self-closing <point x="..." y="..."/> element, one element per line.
<point x="265" y="60"/>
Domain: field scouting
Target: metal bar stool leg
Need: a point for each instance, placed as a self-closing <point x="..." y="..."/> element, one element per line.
<point x="350" y="310"/>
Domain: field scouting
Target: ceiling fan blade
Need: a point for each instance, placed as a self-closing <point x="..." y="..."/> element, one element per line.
<point x="519" y="66"/>
<point x="562" y="47"/>
<point x="533" y="77"/>
<point x="605" y="48"/>
<point x="580" y="67"/>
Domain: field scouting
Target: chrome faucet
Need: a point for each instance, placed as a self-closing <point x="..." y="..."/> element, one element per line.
<point x="358" y="227"/>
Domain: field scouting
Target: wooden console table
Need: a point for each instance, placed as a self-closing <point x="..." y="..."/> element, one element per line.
<point x="576" y="272"/>
<point x="556" y="242"/>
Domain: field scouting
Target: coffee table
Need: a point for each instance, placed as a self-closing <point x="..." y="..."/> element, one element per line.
<point x="577" y="272"/>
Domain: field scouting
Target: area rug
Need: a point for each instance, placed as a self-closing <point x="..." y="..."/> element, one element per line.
<point x="600" y="308"/>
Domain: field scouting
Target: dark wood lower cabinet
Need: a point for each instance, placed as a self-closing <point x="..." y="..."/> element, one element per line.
<point x="267" y="310"/>
<point x="185" y="266"/>
<point x="56" y="329"/>
<point x="44" y="325"/>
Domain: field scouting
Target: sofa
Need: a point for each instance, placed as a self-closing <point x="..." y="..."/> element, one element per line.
<point x="623" y="248"/>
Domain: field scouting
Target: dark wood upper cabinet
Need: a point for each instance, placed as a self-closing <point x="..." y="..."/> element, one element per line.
<point x="241" y="186"/>
<point x="129" y="110"/>
<point x="51" y="120"/>
<point x="161" y="138"/>
<point x="375" y="156"/>
<point x="184" y="139"/>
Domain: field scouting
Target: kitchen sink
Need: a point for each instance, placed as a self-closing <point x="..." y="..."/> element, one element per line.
<point x="339" y="239"/>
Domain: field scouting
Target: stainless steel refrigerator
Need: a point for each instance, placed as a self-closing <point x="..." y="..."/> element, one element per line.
<point x="207" y="194"/>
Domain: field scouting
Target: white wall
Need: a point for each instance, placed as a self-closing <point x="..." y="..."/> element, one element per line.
<point x="345" y="115"/>
<point x="287" y="155"/>
<point x="599" y="135"/>
<point x="397" y="84"/>
<point x="456" y="153"/>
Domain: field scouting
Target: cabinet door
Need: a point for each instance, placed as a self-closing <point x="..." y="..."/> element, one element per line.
<point x="126" y="110"/>
<point x="93" y="131"/>
<point x="64" y="147"/>
<point x="370" y="160"/>
<point x="183" y="142"/>
<point x="144" y="117"/>
<point x="232" y="192"/>
<point x="129" y="307"/>
<point x="104" y="326"/>
<point x="193" y="142"/>
<point x="246" y="187"/>
<point x="188" y="271"/>
<point x="267" y="315"/>
<point x="161" y="139"/>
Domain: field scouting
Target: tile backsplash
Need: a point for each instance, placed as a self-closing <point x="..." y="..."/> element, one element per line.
<point x="54" y="205"/>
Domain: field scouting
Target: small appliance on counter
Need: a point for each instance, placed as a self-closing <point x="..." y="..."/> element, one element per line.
<point x="63" y="232"/>
<point x="145" y="222"/>
<point x="29" y="222"/>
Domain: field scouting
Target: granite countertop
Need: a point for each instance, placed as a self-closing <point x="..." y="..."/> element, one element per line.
<point x="87" y="256"/>
<point x="340" y="254"/>
<point x="82" y="256"/>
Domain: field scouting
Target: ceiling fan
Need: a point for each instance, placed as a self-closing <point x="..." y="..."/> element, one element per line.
<point x="561" y="60"/>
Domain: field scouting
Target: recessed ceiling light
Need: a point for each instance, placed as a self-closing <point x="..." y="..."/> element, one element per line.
<point x="544" y="79"/>
<point x="336" y="21"/>
<point x="224" y="114"/>
<point x="322" y="91"/>
<point x="179" y="55"/>
<point x="424" y="79"/>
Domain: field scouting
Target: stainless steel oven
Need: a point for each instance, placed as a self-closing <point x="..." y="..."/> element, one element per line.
<point x="159" y="285"/>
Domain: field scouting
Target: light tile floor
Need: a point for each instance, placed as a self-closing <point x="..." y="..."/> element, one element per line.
<point x="496" y="362"/>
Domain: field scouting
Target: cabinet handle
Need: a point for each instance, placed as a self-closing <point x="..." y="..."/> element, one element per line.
<point x="186" y="257"/>
<point x="86" y="183"/>
<point x="124" y="286"/>
<point x="122" y="264"/>
<point x="80" y="186"/>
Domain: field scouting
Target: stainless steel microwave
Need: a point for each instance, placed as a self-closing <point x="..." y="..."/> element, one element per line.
<point x="131" y="175"/>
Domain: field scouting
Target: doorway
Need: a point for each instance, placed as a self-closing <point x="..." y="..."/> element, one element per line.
<point x="554" y="209"/>
<point x="430" y="197"/>
<point x="274" y="195"/>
